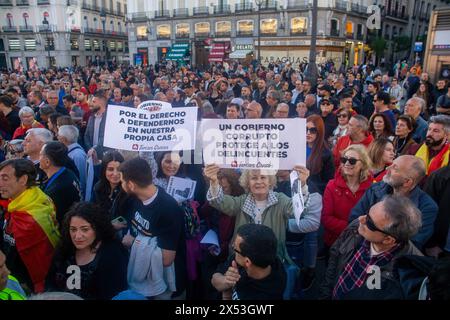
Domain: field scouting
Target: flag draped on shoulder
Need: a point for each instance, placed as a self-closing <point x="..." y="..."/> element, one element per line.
<point x="32" y="221"/>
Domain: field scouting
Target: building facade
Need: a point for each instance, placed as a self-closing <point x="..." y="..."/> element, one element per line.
<point x="437" y="51"/>
<point x="285" y="28"/>
<point x="63" y="33"/>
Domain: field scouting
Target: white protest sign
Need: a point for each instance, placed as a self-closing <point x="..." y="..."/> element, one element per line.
<point x="254" y="144"/>
<point x="154" y="105"/>
<point x="181" y="189"/>
<point x="298" y="202"/>
<point x="141" y="130"/>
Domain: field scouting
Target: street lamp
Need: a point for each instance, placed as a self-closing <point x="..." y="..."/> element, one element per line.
<point x="103" y="20"/>
<point x="47" y="29"/>
<point x="259" y="3"/>
<point x="311" y="72"/>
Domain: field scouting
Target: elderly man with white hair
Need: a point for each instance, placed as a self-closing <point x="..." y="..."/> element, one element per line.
<point x="68" y="135"/>
<point x="414" y="107"/>
<point x="32" y="146"/>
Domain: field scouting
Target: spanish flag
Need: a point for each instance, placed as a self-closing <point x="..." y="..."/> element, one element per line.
<point x="32" y="222"/>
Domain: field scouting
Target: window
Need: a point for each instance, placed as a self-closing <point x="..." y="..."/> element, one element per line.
<point x="245" y="27"/>
<point x="223" y="27"/>
<point x="334" y="28"/>
<point x="74" y="44"/>
<point x="386" y="32"/>
<point x="120" y="46"/>
<point x="111" y="5"/>
<point x="359" y="31"/>
<point x="86" y="22"/>
<point x="299" y="25"/>
<point x="181" y="4"/>
<point x="141" y="31"/>
<point x="30" y="44"/>
<point x="9" y="17"/>
<point x="202" y="27"/>
<point x="95" y="24"/>
<point x="182" y="29"/>
<point x="163" y="31"/>
<point x="96" y="45"/>
<point x="87" y="45"/>
<point x="25" y="19"/>
<point x="119" y="27"/>
<point x="111" y="26"/>
<point x="14" y="44"/>
<point x="269" y="26"/>
<point x="112" y="45"/>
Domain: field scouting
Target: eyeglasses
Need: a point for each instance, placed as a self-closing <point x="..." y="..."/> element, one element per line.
<point x="394" y="102"/>
<point x="372" y="227"/>
<point x="311" y="130"/>
<point x="352" y="161"/>
<point x="342" y="116"/>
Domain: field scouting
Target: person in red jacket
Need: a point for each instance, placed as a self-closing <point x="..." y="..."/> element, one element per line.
<point x="357" y="134"/>
<point x="342" y="193"/>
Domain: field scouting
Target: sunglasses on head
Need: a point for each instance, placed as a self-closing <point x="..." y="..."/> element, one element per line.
<point x="352" y="161"/>
<point x="311" y="130"/>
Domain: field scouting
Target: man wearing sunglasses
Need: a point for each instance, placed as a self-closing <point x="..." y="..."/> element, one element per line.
<point x="361" y="264"/>
<point x="402" y="178"/>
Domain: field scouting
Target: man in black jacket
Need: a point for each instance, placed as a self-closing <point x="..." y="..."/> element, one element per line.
<point x="438" y="187"/>
<point x="362" y="258"/>
<point x="62" y="184"/>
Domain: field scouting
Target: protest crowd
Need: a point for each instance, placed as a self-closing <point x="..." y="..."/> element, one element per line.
<point x="79" y="219"/>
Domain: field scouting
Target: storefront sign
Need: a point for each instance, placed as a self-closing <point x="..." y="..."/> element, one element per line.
<point x="325" y="43"/>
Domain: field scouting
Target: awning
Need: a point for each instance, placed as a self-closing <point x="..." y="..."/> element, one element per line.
<point x="178" y="51"/>
<point x="217" y="52"/>
<point x="239" y="54"/>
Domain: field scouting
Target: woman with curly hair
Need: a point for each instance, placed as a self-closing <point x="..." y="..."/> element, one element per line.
<point x="89" y="245"/>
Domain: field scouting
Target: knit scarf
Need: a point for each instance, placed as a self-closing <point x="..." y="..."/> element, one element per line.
<point x="439" y="161"/>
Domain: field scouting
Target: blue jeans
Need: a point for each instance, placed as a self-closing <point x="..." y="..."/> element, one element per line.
<point x="291" y="277"/>
<point x="304" y="252"/>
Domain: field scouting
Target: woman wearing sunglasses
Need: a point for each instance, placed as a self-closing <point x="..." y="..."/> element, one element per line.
<point x="343" y="116"/>
<point x="342" y="193"/>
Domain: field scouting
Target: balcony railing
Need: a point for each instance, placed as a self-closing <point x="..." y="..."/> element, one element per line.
<point x="91" y="7"/>
<point x="244" y="33"/>
<point x="45" y="27"/>
<point x="341" y="5"/>
<point x="6" y="3"/>
<point x="163" y="37"/>
<point x="359" y="8"/>
<point x="43" y="2"/>
<point x="202" y="34"/>
<point x="298" y="4"/>
<point x="139" y="16"/>
<point x="181" y="12"/>
<point x="162" y="14"/>
<point x="201" y="10"/>
<point x="334" y="33"/>
<point x="184" y="35"/>
<point x="92" y="30"/>
<point x="269" y="5"/>
<point x="359" y="36"/>
<point x="21" y="3"/>
<point x="243" y="7"/>
<point x="224" y="9"/>
<point x="49" y="48"/>
<point x="298" y="33"/>
<point x="223" y="34"/>
<point x="26" y="28"/>
<point x="9" y="29"/>
<point x="349" y="35"/>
